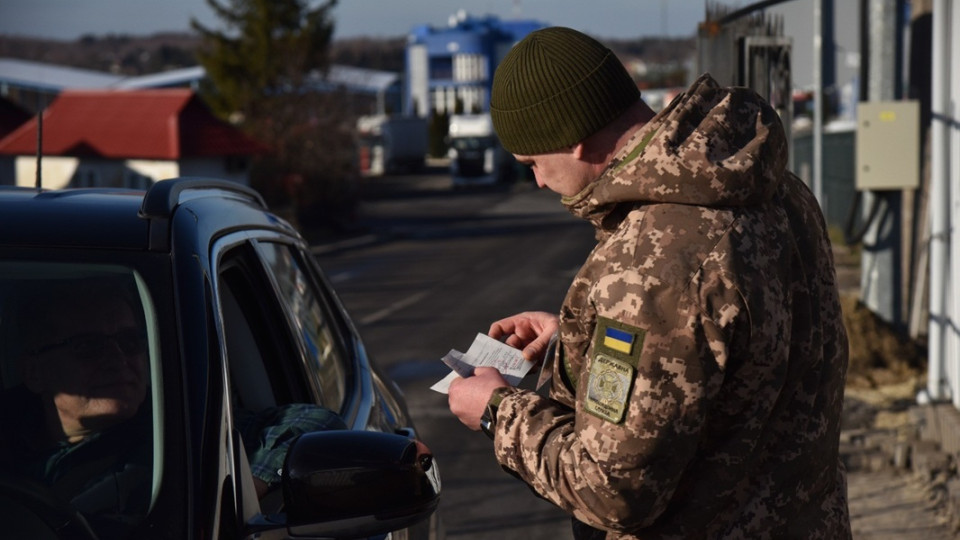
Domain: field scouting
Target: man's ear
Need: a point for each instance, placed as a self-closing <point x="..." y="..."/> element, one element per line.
<point x="586" y="152"/>
<point x="578" y="150"/>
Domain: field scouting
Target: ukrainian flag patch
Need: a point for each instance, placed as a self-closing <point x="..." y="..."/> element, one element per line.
<point x="618" y="340"/>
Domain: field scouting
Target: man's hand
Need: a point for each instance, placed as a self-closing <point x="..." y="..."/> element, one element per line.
<point x="529" y="331"/>
<point x="468" y="396"/>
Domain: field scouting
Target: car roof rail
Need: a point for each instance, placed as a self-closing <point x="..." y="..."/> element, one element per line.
<point x="163" y="197"/>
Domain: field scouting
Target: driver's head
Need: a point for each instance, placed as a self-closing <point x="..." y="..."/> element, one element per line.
<point x="86" y="353"/>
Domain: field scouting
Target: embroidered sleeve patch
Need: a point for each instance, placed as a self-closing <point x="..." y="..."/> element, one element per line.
<point x="616" y="354"/>
<point x="608" y="388"/>
<point x="618" y="340"/>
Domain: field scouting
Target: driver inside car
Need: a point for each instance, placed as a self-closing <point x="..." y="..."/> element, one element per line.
<point x="82" y="425"/>
<point x="80" y="422"/>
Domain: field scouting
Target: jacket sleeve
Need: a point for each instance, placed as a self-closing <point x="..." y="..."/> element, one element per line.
<point x="621" y="475"/>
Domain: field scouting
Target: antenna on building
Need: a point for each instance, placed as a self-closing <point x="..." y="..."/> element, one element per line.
<point x="39" y="149"/>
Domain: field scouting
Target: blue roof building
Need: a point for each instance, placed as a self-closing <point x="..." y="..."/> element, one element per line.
<point x="456" y="64"/>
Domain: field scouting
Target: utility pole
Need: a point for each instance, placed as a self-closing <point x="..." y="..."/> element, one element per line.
<point x="943" y="376"/>
<point x="880" y="269"/>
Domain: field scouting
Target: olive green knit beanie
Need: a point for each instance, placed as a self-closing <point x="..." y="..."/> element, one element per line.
<point x="556" y="87"/>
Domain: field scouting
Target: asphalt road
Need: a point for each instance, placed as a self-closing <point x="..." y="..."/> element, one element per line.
<point x="431" y="268"/>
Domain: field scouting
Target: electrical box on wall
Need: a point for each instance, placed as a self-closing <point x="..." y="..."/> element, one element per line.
<point x="888" y="145"/>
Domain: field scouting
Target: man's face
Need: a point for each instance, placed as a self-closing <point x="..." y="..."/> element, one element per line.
<point x="93" y="363"/>
<point x="560" y="171"/>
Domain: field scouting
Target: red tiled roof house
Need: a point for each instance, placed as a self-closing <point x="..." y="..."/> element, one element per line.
<point x="128" y="138"/>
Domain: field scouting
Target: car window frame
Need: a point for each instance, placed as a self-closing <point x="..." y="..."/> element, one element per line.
<point x="237" y="251"/>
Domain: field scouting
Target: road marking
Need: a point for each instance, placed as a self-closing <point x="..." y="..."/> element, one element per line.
<point x="393" y="308"/>
<point x="344" y="244"/>
<point x="341" y="277"/>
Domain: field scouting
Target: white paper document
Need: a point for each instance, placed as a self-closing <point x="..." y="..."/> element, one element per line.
<point x="484" y="351"/>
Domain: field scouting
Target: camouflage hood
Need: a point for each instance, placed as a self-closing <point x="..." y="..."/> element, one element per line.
<point x="712" y="146"/>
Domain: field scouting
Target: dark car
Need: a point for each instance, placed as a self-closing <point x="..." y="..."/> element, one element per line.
<point x="234" y="320"/>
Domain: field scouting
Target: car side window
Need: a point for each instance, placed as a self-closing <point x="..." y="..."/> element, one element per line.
<point x="81" y="371"/>
<point x="326" y="357"/>
<point x="262" y="355"/>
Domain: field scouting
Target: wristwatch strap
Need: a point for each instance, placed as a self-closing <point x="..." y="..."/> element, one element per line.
<point x="488" y="420"/>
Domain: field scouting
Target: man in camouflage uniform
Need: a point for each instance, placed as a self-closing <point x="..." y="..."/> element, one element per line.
<point x="697" y="387"/>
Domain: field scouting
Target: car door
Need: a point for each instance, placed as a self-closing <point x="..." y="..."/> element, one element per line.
<point x="282" y="350"/>
<point x="286" y="342"/>
<point x="334" y="355"/>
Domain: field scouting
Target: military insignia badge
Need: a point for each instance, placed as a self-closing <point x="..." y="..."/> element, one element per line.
<point x="608" y="388"/>
<point x="616" y="352"/>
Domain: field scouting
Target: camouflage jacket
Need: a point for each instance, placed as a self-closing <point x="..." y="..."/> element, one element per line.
<point x="698" y="387"/>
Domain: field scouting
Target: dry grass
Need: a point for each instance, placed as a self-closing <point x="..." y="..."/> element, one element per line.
<point x="885" y="373"/>
<point x="879" y="354"/>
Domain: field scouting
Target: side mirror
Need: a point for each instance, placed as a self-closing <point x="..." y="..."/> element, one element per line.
<point x="357" y="483"/>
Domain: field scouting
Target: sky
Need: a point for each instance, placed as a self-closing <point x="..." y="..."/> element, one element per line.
<point x="70" y="19"/>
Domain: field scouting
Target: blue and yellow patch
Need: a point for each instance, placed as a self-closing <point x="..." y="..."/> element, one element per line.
<point x="618" y="339"/>
<point x="613" y="366"/>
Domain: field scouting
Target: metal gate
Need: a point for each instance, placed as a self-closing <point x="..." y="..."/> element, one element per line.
<point x="749" y="51"/>
<point x="765" y="66"/>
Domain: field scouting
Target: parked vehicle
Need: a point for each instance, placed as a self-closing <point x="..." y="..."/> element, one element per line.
<point x="476" y="157"/>
<point x="391" y="144"/>
<point x="238" y="317"/>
